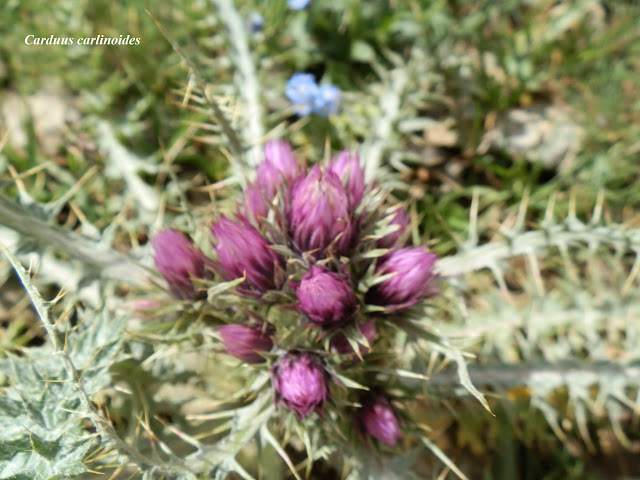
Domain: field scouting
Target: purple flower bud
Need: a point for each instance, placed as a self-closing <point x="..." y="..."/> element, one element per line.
<point x="318" y="212"/>
<point x="325" y="297"/>
<point x="400" y="218"/>
<point x="341" y="346"/>
<point x="301" y="383"/>
<point x="377" y="418"/>
<point x="255" y="205"/>
<point x="243" y="251"/>
<point x="245" y="342"/>
<point x="346" y="166"/>
<point x="411" y="282"/>
<point x="178" y="261"/>
<point x="279" y="166"/>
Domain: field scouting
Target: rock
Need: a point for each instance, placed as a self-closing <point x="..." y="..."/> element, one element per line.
<point x="50" y="113"/>
<point x="544" y="133"/>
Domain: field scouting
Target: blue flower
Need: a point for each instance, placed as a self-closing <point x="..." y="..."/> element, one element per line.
<point x="308" y="97"/>
<point x="302" y="91"/>
<point x="327" y="100"/>
<point x="255" y="22"/>
<point x="298" y="4"/>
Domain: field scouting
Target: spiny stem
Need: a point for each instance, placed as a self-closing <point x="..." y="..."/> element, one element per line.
<point x="508" y="376"/>
<point x="390" y="104"/>
<point x="247" y="76"/>
<point x="101" y="424"/>
<point x="559" y="236"/>
<point x="108" y="262"/>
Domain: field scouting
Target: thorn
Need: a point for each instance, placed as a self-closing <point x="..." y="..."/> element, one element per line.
<point x="187" y="94"/>
<point x="88" y="228"/>
<point x="618" y="431"/>
<point x="497" y="273"/>
<point x="187" y="438"/>
<point x="473" y="219"/>
<point x="632" y="276"/>
<point x="581" y="420"/>
<point x="24" y="196"/>
<point x="444" y="474"/>
<point x="535" y="271"/>
<point x="522" y="211"/>
<point x="597" y="211"/>
<point x="572" y="207"/>
<point x="548" y="214"/>
<point x="117" y="472"/>
<point x="566" y="258"/>
<point x="54" y="207"/>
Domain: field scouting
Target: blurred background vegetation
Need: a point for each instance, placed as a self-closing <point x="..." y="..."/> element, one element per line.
<point x="501" y="110"/>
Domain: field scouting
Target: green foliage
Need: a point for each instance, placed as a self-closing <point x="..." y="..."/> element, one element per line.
<point x="44" y="434"/>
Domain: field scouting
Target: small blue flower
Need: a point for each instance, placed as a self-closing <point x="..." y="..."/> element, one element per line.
<point x="302" y="91"/>
<point x="307" y="97"/>
<point x="298" y="4"/>
<point x="327" y="100"/>
<point x="255" y="22"/>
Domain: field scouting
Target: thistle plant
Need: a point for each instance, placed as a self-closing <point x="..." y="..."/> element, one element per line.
<point x="232" y="307"/>
<point x="312" y="282"/>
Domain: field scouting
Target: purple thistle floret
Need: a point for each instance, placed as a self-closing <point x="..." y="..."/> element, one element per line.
<point x="255" y="205"/>
<point x="301" y="383"/>
<point x="400" y="218"/>
<point x="377" y="419"/>
<point x="346" y="166"/>
<point x="302" y="90"/>
<point x="245" y="342"/>
<point x="318" y="212"/>
<point x="412" y="280"/>
<point x="279" y="167"/>
<point x="178" y="261"/>
<point x="242" y="250"/>
<point x="325" y="297"/>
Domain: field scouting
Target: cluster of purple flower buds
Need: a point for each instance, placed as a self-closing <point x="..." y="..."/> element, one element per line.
<point x="320" y="247"/>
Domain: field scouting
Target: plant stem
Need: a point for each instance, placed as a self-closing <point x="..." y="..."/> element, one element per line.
<point x="509" y="376"/>
<point x="108" y="262"/>
<point x="560" y="236"/>
<point x="247" y="81"/>
<point x="101" y="424"/>
<point x="390" y="103"/>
